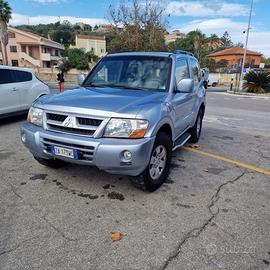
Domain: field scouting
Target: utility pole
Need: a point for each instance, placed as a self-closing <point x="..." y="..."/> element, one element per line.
<point x="245" y="52"/>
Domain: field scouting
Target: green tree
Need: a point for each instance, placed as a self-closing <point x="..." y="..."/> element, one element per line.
<point x="75" y="58"/>
<point x="226" y="39"/>
<point x="5" y="16"/>
<point x="138" y="26"/>
<point x="91" y="57"/>
<point x="194" y="42"/>
<point x="265" y="60"/>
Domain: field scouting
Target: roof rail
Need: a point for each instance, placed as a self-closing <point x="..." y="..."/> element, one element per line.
<point x="183" y="52"/>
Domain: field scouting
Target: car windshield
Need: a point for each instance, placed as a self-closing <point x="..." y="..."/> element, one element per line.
<point x="131" y="72"/>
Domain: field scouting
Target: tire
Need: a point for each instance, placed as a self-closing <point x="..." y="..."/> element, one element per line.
<point x="51" y="163"/>
<point x="214" y="84"/>
<point x="205" y="84"/>
<point x="154" y="177"/>
<point x="195" y="131"/>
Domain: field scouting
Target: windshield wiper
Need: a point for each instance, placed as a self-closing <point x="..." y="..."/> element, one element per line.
<point x="95" y="85"/>
<point x="114" y="86"/>
<point x="126" y="87"/>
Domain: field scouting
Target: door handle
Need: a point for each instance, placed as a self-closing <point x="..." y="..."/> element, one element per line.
<point x="14" y="89"/>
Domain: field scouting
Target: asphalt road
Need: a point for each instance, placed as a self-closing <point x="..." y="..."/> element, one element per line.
<point x="211" y="214"/>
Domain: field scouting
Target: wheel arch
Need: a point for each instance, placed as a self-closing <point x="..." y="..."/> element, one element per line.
<point x="166" y="129"/>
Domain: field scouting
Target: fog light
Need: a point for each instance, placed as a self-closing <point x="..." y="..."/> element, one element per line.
<point x="127" y="155"/>
<point x="23" y="138"/>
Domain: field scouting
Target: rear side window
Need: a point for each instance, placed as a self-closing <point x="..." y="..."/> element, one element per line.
<point x="196" y="70"/>
<point x="21" y="76"/>
<point x="5" y="76"/>
<point x="181" y="70"/>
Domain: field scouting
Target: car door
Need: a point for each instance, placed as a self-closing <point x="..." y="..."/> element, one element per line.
<point x="9" y="94"/>
<point x="182" y="101"/>
<point x="23" y="83"/>
<point x="195" y="72"/>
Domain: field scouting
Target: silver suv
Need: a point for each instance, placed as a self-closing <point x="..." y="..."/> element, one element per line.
<point x="128" y="115"/>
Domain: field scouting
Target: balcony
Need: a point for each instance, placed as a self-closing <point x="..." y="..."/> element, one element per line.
<point x="49" y="57"/>
<point x="55" y="58"/>
<point x="45" y="57"/>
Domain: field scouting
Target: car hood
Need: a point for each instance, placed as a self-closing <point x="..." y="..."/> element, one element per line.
<point x="103" y="99"/>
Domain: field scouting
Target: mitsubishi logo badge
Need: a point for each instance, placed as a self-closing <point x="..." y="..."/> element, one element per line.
<point x="70" y="122"/>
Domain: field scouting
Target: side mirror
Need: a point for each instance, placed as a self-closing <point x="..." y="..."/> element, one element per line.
<point x="202" y="73"/>
<point x="185" y="85"/>
<point x="80" y="79"/>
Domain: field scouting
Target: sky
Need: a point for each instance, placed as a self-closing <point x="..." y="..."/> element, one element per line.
<point x="210" y="16"/>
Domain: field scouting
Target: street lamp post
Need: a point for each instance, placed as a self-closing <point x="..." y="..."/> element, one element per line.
<point x="245" y="52"/>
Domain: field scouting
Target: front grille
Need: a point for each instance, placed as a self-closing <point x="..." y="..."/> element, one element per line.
<point x="89" y="121"/>
<point x="56" y="117"/>
<point x="71" y="130"/>
<point x="84" y="152"/>
<point x="72" y="124"/>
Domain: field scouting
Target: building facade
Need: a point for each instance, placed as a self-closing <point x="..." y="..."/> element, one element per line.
<point x="173" y="36"/>
<point x="234" y="57"/>
<point x="25" y="49"/>
<point x="91" y="43"/>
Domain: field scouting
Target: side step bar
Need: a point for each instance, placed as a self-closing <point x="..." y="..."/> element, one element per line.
<point x="181" y="141"/>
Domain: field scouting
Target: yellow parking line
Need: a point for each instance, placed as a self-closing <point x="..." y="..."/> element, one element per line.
<point x="253" y="168"/>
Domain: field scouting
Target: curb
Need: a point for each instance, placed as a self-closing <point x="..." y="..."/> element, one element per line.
<point x="236" y="93"/>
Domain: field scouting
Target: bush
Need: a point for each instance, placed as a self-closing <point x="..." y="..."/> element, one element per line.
<point x="75" y="58"/>
<point x="257" y="82"/>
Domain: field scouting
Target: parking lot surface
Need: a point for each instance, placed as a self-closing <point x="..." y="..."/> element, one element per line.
<point x="211" y="213"/>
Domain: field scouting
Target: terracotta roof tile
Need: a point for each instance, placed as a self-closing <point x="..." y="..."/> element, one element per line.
<point x="233" y="51"/>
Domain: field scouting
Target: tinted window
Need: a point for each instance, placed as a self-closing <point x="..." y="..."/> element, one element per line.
<point x="21" y="76"/>
<point x="5" y="76"/>
<point x="181" y="70"/>
<point x="195" y="69"/>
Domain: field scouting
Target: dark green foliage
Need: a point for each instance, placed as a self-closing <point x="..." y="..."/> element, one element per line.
<point x="63" y="33"/>
<point x="75" y="58"/>
<point x="5" y="11"/>
<point x="257" y="82"/>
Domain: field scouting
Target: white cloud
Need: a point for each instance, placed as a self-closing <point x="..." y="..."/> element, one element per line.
<point x="258" y="40"/>
<point x="18" y="19"/>
<point x="217" y="26"/>
<point x="206" y="8"/>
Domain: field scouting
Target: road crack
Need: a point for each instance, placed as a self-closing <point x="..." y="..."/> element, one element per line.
<point x="195" y="232"/>
<point x="17" y="246"/>
<point x="57" y="230"/>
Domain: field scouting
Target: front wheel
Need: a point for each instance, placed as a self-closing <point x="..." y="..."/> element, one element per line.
<point x="195" y="131"/>
<point x="158" y="168"/>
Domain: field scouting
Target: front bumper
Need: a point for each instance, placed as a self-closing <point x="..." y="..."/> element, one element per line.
<point x="104" y="153"/>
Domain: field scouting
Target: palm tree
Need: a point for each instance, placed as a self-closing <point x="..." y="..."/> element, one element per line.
<point x="257" y="82"/>
<point x="5" y="16"/>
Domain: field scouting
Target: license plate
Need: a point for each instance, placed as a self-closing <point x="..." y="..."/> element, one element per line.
<point x="64" y="152"/>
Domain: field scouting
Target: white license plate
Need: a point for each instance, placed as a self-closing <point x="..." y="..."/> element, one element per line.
<point x="64" y="152"/>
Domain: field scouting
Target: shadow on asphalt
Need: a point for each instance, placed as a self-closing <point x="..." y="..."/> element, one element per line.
<point x="13" y="119"/>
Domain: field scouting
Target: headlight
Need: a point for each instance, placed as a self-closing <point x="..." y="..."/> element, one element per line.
<point x="35" y="116"/>
<point x="126" y="128"/>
